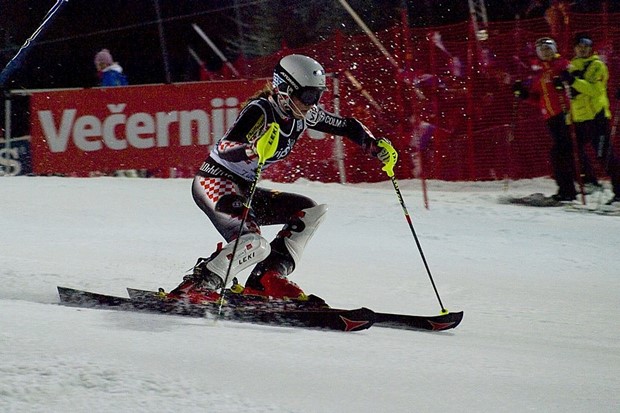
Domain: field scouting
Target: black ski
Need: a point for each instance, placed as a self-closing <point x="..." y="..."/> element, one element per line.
<point x="594" y="209"/>
<point x="534" y="200"/>
<point x="540" y="200"/>
<point x="318" y="317"/>
<point x="418" y="322"/>
<point x="388" y="320"/>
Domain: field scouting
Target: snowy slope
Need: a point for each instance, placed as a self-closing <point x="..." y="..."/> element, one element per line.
<point x="539" y="287"/>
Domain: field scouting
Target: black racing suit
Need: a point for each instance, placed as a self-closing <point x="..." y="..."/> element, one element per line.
<point x="222" y="184"/>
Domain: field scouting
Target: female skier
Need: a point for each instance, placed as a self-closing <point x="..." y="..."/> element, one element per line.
<point x="222" y="185"/>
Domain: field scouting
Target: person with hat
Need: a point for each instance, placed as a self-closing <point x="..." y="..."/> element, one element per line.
<point x="587" y="77"/>
<point x="225" y="186"/>
<point x="110" y="72"/>
<point x="554" y="107"/>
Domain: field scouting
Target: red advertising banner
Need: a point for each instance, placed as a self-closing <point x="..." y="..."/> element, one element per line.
<point x="135" y="127"/>
<point x="165" y="128"/>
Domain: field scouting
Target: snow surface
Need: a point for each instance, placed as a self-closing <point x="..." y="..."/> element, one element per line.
<point x="540" y="288"/>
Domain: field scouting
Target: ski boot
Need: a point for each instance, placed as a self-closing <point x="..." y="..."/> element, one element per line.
<point x="202" y="285"/>
<point x="614" y="202"/>
<point x="274" y="285"/>
<point x="208" y="275"/>
<point x="592" y="187"/>
<point x="269" y="278"/>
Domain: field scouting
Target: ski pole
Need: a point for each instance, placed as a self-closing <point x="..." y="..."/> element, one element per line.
<point x="265" y="147"/>
<point x="614" y="128"/>
<point x="577" y="162"/>
<point x="509" y="139"/>
<point x="389" y="170"/>
<point x="575" y="142"/>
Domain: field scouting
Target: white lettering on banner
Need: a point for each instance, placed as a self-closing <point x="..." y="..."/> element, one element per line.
<point x="137" y="125"/>
<point x="217" y="116"/>
<point x="140" y="130"/>
<point x="109" y="127"/>
<point x="202" y="120"/>
<point x="164" y="120"/>
<point x="57" y="139"/>
<point x="87" y="127"/>
<point x="9" y="162"/>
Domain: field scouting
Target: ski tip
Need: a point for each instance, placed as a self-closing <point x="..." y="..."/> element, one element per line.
<point x="454" y="315"/>
<point x="446" y="321"/>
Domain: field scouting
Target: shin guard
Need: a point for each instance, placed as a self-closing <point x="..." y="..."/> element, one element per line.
<point x="251" y="250"/>
<point x="300" y="229"/>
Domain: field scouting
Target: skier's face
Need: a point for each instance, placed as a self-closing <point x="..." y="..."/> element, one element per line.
<point x="302" y="108"/>
<point x="545" y="53"/>
<point x="582" y="50"/>
<point x="101" y="66"/>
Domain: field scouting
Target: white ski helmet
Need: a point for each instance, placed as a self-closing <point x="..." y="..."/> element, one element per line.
<point x="299" y="76"/>
<point x="543" y="43"/>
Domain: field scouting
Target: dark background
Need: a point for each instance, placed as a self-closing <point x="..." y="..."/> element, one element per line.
<point x="62" y="55"/>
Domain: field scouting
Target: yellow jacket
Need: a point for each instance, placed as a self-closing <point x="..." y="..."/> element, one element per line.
<point x="589" y="90"/>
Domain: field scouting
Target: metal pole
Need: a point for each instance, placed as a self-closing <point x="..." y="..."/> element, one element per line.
<point x="7" y="121"/>
<point x="339" y="146"/>
<point x="241" y="34"/>
<point x="379" y="45"/>
<point x="217" y="51"/>
<point x="358" y="86"/>
<point x="17" y="60"/>
<point x="162" y="42"/>
<point x="7" y="126"/>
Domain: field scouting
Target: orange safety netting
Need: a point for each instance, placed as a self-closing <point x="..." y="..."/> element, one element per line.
<point x="445" y="101"/>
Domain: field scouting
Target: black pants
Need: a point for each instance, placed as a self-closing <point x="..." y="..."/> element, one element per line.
<point x="596" y="132"/>
<point x="223" y="201"/>
<point x="562" y="160"/>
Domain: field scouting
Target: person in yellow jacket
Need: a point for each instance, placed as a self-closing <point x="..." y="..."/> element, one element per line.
<point x="587" y="76"/>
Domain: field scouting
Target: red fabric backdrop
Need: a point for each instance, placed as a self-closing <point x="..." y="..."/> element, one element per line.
<point x="446" y="105"/>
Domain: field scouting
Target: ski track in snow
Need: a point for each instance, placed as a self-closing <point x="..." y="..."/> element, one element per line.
<point x="539" y="288"/>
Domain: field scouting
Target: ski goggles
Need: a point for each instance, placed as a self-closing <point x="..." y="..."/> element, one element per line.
<point x="584" y="41"/>
<point x="540" y="43"/>
<point x="544" y="45"/>
<point x="309" y="95"/>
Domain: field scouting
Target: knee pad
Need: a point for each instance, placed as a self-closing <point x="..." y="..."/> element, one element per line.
<point x="301" y="228"/>
<point x="234" y="206"/>
<point x="251" y="250"/>
<point x="231" y="204"/>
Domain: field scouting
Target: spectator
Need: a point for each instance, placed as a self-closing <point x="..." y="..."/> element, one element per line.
<point x="110" y="72"/>
<point x="587" y="77"/>
<point x="547" y="90"/>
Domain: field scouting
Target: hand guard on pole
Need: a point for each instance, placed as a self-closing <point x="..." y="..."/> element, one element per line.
<point x="266" y="147"/>
<point x="267" y="144"/>
<point x="388" y="155"/>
